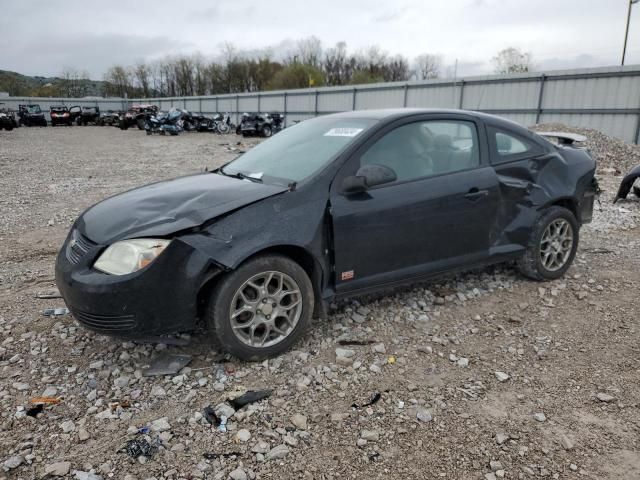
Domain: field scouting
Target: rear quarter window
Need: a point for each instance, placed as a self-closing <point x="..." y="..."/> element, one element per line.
<point x="508" y="146"/>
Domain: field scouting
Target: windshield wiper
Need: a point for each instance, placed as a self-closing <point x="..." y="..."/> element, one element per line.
<point x="241" y="176"/>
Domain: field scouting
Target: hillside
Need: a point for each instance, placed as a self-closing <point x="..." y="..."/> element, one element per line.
<point x="23" y="85"/>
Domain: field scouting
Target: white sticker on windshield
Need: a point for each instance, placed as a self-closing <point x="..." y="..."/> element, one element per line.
<point x="343" y="132"/>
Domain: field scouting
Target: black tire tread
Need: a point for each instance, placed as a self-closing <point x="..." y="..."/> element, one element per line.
<point x="529" y="264"/>
<point x="224" y="290"/>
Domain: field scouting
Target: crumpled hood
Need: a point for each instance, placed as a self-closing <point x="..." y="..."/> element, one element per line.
<point x="170" y="206"/>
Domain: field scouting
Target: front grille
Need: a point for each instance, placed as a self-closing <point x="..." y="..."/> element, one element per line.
<point x="105" y="323"/>
<point x="78" y="247"/>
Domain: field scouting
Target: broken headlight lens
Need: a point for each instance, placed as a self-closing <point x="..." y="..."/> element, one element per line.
<point x="129" y="256"/>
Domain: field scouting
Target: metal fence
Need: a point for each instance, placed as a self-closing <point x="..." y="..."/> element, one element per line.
<point x="607" y="99"/>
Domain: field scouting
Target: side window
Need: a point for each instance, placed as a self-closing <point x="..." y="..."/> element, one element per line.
<point x="423" y="149"/>
<point x="508" y="146"/>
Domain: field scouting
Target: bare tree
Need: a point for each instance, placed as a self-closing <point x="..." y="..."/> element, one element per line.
<point x="512" y="60"/>
<point x="308" y="51"/>
<point x="427" y="66"/>
<point x="142" y="74"/>
<point x="337" y="67"/>
<point x="118" y="81"/>
<point x="74" y="84"/>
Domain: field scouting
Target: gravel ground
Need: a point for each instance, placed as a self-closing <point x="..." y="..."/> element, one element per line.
<point x="483" y="375"/>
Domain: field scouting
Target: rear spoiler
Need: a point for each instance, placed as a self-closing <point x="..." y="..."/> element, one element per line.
<point x="563" y="138"/>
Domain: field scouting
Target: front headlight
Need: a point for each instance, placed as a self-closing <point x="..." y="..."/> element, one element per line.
<point x="129" y="256"/>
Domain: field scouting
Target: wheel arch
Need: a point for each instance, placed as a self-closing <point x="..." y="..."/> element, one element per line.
<point x="566" y="202"/>
<point x="302" y="256"/>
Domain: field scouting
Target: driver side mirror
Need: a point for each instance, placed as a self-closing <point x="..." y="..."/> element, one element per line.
<point x="368" y="176"/>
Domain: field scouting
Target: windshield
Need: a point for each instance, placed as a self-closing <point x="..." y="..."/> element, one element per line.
<point x="299" y="151"/>
<point x="34" y="109"/>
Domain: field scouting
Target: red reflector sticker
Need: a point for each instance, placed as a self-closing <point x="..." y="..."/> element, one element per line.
<point x="346" y="275"/>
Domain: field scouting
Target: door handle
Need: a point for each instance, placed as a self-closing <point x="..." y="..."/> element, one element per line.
<point x="476" y="194"/>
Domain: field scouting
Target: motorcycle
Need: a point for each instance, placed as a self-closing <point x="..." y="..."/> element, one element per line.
<point x="222" y="123"/>
<point x="163" y="123"/>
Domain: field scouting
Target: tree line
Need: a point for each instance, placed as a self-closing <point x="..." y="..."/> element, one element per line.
<point x="307" y="64"/>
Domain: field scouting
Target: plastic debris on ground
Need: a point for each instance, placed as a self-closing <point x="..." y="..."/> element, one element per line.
<point x="140" y="447"/>
<point x="167" y="364"/>
<point x="55" y="312"/>
<point x="213" y="456"/>
<point x="251" y="396"/>
<point x="375" y="399"/>
<point x="48" y="294"/>
<point x="210" y="416"/>
<point x="347" y="342"/>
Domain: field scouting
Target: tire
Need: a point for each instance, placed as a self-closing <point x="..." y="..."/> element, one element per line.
<point x="285" y="274"/>
<point x="266" y="131"/>
<point x="223" y="128"/>
<point x="140" y="123"/>
<point x="531" y="264"/>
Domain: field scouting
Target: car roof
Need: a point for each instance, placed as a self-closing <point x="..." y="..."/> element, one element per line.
<point x="390" y="114"/>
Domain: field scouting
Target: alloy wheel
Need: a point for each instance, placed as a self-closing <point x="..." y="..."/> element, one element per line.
<point x="556" y="244"/>
<point x="266" y="309"/>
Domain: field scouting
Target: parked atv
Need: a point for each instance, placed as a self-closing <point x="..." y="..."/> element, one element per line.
<point x="7" y="120"/>
<point x="88" y="115"/>
<point x="261" y="124"/>
<point x="30" y="115"/>
<point x="137" y="115"/>
<point x="60" y="116"/>
<point x="110" y="118"/>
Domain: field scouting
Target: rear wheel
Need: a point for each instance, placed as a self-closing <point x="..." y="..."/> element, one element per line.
<point x="266" y="131"/>
<point x="552" y="246"/>
<point x="262" y="308"/>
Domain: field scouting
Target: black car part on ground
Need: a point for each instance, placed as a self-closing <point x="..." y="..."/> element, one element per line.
<point x="60" y="116"/>
<point x="627" y="184"/>
<point x="31" y="115"/>
<point x="7" y="119"/>
<point x="261" y="124"/>
<point x="334" y="232"/>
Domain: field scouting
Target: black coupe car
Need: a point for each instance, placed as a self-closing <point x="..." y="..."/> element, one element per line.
<point x="332" y="207"/>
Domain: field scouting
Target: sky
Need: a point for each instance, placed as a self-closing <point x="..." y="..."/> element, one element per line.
<point x="91" y="36"/>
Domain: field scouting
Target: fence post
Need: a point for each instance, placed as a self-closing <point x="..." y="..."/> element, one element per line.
<point x="404" y="100"/>
<point x="237" y="108"/>
<point x="285" y="109"/>
<point x="200" y="104"/>
<point x="258" y="102"/>
<point x="355" y="91"/>
<point x="637" y="139"/>
<point x="543" y="79"/>
<point x="461" y="94"/>
<point x="217" y="107"/>
<point x="315" y="105"/>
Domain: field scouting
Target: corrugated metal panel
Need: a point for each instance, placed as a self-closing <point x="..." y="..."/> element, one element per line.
<point x="370" y="99"/>
<point x="272" y="103"/>
<point x="501" y="95"/>
<point x="610" y="92"/>
<point x="248" y="104"/>
<point x="433" y="97"/>
<point x="335" y="101"/>
<point x="209" y="106"/>
<point x="300" y="103"/>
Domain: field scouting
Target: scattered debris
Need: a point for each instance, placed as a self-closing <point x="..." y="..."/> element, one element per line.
<point x="605" y="397"/>
<point x="140" y="447"/>
<point x="167" y="364"/>
<point x="55" y="312"/>
<point x="250" y="396"/>
<point x="347" y="342"/>
<point x="35" y="410"/>
<point x="375" y="399"/>
<point x="213" y="456"/>
<point x="48" y="294"/>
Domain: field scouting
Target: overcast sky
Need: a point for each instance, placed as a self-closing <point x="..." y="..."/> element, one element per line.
<point x="89" y="35"/>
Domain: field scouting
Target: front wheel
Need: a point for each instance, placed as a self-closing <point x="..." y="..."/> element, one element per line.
<point x="266" y="131"/>
<point x="552" y="245"/>
<point x="223" y="128"/>
<point x="262" y="308"/>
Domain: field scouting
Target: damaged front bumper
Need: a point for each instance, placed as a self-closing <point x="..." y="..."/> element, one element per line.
<point x="627" y="184"/>
<point x="158" y="299"/>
